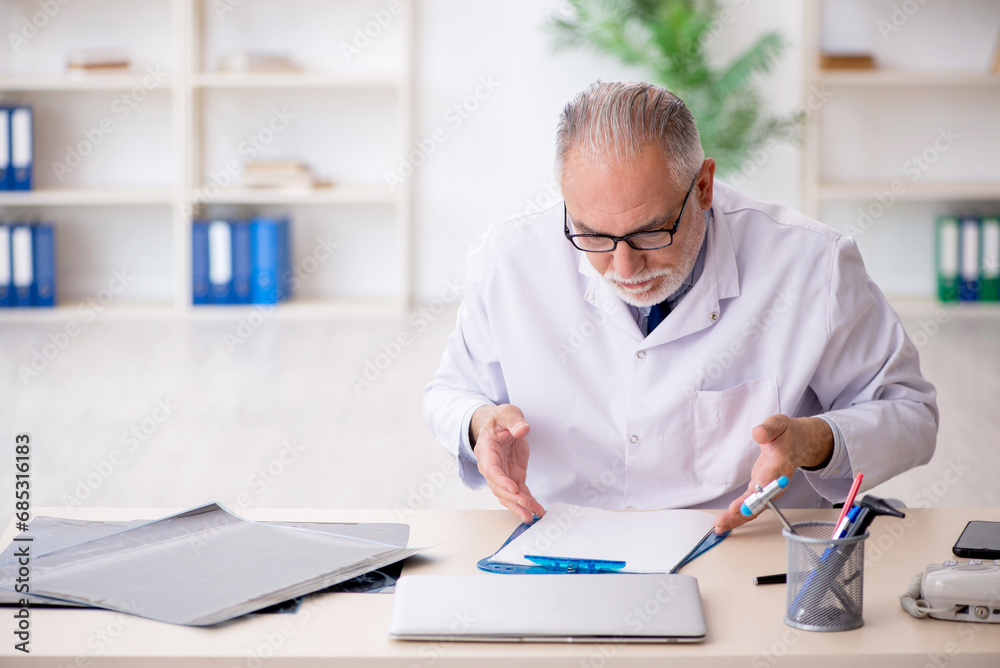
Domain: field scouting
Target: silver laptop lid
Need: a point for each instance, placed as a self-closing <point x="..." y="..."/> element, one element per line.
<point x="558" y="607"/>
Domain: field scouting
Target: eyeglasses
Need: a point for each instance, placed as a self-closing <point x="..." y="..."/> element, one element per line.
<point x="604" y="243"/>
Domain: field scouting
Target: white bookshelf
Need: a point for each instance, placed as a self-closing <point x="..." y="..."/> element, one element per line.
<point x="69" y="82"/>
<point x="320" y="80"/>
<point x="858" y="144"/>
<point x="87" y="197"/>
<point x="190" y="125"/>
<point x="906" y="78"/>
<point x="338" y="195"/>
<point x="926" y="191"/>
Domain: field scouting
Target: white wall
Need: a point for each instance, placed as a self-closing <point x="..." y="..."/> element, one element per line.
<point x="499" y="161"/>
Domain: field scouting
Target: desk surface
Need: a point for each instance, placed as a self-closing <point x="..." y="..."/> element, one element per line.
<point x="745" y="624"/>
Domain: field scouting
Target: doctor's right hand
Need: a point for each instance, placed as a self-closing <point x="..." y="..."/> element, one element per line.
<point x="497" y="434"/>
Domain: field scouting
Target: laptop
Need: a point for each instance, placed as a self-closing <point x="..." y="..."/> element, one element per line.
<point x="606" y="607"/>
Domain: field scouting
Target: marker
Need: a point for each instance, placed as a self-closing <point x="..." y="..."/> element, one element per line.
<point x="757" y="501"/>
<point x="848" y="503"/>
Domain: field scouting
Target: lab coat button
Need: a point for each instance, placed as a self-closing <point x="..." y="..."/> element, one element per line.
<point x="634" y="439"/>
<point x="641" y="354"/>
<point x="589" y="296"/>
<point x="715" y="316"/>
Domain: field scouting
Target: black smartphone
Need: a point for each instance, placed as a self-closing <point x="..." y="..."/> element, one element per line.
<point x="979" y="540"/>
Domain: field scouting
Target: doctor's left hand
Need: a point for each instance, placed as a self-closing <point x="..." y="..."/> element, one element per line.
<point x="498" y="436"/>
<point x="785" y="444"/>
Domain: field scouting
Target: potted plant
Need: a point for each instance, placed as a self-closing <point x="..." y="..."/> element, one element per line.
<point x="668" y="41"/>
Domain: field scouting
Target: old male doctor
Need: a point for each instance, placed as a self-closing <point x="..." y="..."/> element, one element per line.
<point x="663" y="341"/>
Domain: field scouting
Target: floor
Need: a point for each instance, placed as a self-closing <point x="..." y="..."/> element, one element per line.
<point x="276" y="412"/>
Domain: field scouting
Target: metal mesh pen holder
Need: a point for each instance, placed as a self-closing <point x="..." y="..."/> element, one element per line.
<point x="825" y="578"/>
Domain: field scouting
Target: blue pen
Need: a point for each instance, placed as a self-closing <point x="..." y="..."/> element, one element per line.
<point x="573" y="565"/>
<point x="852" y="515"/>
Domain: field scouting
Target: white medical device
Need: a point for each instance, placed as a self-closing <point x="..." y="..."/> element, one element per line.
<point x="958" y="591"/>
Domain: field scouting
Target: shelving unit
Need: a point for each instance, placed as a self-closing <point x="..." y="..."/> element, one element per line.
<point x="87" y="196"/>
<point x="919" y="192"/>
<point x="193" y="127"/>
<point x="64" y="82"/>
<point x="859" y="141"/>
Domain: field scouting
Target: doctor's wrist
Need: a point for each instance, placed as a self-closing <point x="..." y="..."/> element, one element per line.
<point x="821" y="445"/>
<point x="479" y="416"/>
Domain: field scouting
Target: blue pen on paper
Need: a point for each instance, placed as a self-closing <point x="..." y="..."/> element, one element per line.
<point x="572" y="565"/>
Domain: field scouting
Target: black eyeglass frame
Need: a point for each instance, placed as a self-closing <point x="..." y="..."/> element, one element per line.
<point x="672" y="230"/>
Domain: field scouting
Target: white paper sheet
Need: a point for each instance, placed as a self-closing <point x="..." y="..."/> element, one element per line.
<point x="647" y="541"/>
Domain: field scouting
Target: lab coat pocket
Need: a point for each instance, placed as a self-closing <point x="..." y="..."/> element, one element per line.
<point x="725" y="450"/>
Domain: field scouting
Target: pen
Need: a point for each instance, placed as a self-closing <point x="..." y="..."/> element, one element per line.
<point x="778" y="578"/>
<point x="848" y="503"/>
<point x="841" y="530"/>
<point x="574" y="565"/>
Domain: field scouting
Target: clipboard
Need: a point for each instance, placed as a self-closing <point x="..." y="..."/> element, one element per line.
<point x="710" y="540"/>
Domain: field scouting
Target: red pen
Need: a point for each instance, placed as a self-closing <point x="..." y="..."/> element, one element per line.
<point x="848" y="503"/>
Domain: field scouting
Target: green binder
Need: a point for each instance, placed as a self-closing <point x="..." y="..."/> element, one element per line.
<point x="947" y="249"/>
<point x="989" y="260"/>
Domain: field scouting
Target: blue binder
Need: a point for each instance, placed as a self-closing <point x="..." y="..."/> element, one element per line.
<point x="199" y="263"/>
<point x="269" y="250"/>
<point x="220" y="261"/>
<point x="6" y="271"/>
<point x="43" y="288"/>
<point x="22" y="264"/>
<point x="284" y="262"/>
<point x="22" y="151"/>
<point x="6" y="173"/>
<point x="242" y="264"/>
<point x="968" y="274"/>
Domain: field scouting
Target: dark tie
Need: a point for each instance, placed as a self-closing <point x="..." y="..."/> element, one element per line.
<point x="656" y="316"/>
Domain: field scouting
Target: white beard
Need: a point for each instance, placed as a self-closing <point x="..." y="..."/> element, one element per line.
<point x="666" y="281"/>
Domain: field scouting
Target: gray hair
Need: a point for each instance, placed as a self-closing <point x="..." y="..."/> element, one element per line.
<point x="614" y="121"/>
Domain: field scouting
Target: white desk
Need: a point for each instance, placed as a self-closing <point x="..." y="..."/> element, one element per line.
<point x="745" y="625"/>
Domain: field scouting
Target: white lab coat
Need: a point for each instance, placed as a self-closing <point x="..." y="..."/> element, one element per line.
<point x="783" y="319"/>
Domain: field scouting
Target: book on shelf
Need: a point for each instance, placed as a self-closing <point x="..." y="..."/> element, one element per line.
<point x="16" y="147"/>
<point x="989" y="264"/>
<point x="846" y="61"/>
<point x="6" y="174"/>
<point x="27" y="265"/>
<point x="270" y="279"/>
<point x="967" y="251"/>
<point x="97" y="60"/>
<point x="257" y="61"/>
<point x="240" y="261"/>
<point x="289" y="174"/>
